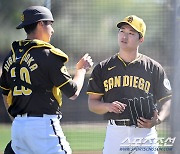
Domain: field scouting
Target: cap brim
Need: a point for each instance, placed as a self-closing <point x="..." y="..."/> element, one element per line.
<point x="29" y="23"/>
<point x="20" y="26"/>
<point x="122" y="23"/>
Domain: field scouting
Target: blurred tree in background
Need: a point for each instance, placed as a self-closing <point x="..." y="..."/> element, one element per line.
<point x="90" y="26"/>
<point x="9" y="19"/>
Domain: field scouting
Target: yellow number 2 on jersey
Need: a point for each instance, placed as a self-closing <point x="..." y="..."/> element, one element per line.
<point x="24" y="76"/>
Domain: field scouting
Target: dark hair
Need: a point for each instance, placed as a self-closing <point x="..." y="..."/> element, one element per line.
<point x="30" y="28"/>
<point x="45" y="22"/>
<point x="140" y="35"/>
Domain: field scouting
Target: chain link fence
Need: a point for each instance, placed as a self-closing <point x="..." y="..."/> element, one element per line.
<point x="90" y="26"/>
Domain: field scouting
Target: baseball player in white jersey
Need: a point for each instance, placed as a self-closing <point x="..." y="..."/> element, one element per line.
<point x="126" y="88"/>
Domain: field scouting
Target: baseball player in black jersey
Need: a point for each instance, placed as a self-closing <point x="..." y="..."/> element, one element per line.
<point x="126" y="88"/>
<point x="33" y="76"/>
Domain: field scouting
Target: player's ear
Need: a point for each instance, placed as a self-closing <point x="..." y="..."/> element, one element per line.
<point x="41" y="23"/>
<point x="141" y="39"/>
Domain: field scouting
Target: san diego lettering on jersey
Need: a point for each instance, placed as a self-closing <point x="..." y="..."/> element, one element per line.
<point x="27" y="58"/>
<point x="127" y="81"/>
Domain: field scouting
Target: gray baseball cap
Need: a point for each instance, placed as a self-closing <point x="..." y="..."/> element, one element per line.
<point x="34" y="14"/>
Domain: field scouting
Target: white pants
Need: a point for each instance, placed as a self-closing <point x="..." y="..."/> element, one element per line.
<point x="130" y="140"/>
<point x="39" y="135"/>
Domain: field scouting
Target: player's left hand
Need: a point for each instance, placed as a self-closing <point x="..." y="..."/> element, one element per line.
<point x="146" y="123"/>
<point x="85" y="62"/>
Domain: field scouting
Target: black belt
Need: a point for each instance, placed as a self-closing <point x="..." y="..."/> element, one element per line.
<point x="123" y="122"/>
<point x="30" y="115"/>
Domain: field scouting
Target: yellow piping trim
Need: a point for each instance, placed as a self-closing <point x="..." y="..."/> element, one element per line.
<point x="26" y="42"/>
<point x="164" y="98"/>
<point x="4" y="88"/>
<point x="12" y="50"/>
<point x="130" y="62"/>
<point x="39" y="45"/>
<point x="52" y="48"/>
<point x="136" y="58"/>
<point x="94" y="93"/>
<point x="122" y="60"/>
<point x="28" y="51"/>
<point x="64" y="83"/>
<point x="13" y="55"/>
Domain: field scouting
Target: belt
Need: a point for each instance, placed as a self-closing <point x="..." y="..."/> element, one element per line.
<point x="37" y="115"/>
<point x="29" y="115"/>
<point x="121" y="122"/>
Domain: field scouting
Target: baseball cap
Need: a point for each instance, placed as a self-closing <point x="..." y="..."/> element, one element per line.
<point x="135" y="22"/>
<point x="34" y="14"/>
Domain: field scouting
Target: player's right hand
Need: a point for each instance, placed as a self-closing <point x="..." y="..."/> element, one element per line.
<point x="146" y="123"/>
<point x="85" y="62"/>
<point x="116" y="107"/>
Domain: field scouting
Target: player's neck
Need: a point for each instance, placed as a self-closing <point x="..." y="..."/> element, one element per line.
<point x="32" y="37"/>
<point x="35" y="35"/>
<point x="128" y="56"/>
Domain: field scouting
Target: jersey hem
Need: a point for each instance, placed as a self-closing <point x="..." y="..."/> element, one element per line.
<point x="94" y="93"/>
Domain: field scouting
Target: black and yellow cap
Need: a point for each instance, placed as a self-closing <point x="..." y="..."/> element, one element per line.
<point x="34" y="14"/>
<point x="135" y="22"/>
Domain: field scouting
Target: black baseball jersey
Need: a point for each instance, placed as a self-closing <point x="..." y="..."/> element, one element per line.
<point x="139" y="84"/>
<point x="30" y="72"/>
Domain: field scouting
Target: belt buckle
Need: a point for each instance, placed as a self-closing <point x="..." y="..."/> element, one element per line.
<point x="126" y="122"/>
<point x="122" y="122"/>
<point x="22" y="115"/>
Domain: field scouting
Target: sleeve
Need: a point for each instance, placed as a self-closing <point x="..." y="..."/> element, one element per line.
<point x="95" y="84"/>
<point x="60" y="76"/>
<point x="69" y="89"/>
<point x="5" y="87"/>
<point x="162" y="85"/>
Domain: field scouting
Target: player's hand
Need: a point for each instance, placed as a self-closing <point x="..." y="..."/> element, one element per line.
<point x="116" y="107"/>
<point x="85" y="62"/>
<point x="146" y="123"/>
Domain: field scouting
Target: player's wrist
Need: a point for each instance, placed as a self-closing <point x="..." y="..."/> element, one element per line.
<point x="158" y="121"/>
<point x="107" y="107"/>
<point x="81" y="70"/>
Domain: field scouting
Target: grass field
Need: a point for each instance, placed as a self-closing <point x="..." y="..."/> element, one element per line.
<point x="83" y="138"/>
<point x="5" y="133"/>
<point x="86" y="138"/>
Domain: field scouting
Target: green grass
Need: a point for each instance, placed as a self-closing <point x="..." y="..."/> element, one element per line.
<point x="5" y="135"/>
<point x="85" y="139"/>
<point x="81" y="137"/>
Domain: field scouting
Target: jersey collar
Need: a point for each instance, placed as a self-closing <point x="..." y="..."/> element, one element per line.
<point x="132" y="62"/>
